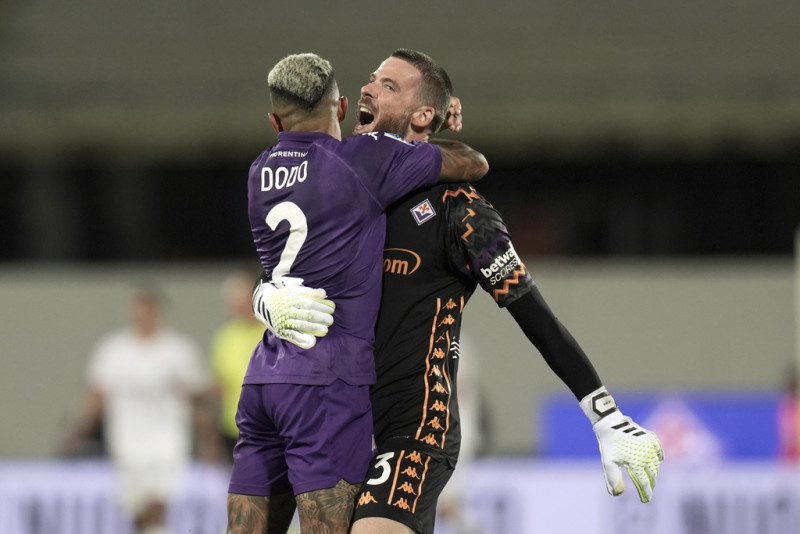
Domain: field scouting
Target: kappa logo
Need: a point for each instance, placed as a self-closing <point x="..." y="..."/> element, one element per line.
<point x="415" y="457"/>
<point x="408" y="488"/>
<point x="435" y="423"/>
<point x="410" y="472"/>
<point x="439" y="406"/>
<point x="366" y="498"/>
<point x="423" y="212"/>
<point x="402" y="503"/>
<point x="447" y="320"/>
<point x="438" y="388"/>
<point x="430" y="440"/>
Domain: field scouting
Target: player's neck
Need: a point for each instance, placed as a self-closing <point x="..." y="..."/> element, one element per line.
<point x="330" y="127"/>
<point x="414" y="136"/>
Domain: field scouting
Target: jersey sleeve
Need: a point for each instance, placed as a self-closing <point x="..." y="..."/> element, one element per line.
<point x="391" y="167"/>
<point x="481" y="247"/>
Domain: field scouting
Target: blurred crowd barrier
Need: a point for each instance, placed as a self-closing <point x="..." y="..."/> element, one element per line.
<point x="79" y="497"/>
<point x="501" y="496"/>
<point x="558" y="497"/>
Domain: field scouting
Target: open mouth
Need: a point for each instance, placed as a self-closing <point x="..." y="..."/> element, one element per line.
<point x="365" y="117"/>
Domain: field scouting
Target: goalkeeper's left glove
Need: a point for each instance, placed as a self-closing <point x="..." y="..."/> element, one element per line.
<point x="293" y="312"/>
<point x="623" y="443"/>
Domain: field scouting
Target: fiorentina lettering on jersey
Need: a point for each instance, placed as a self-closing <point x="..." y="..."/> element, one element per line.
<point x="400" y="261"/>
<point x="501" y="266"/>
<point x="423" y="212"/>
<point x="288" y="154"/>
<point x="282" y="176"/>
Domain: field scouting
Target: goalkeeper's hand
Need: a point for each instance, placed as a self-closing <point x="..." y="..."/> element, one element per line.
<point x="623" y="443"/>
<point x="294" y="313"/>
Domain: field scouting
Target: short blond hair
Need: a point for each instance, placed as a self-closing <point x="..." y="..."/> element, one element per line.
<point x="301" y="79"/>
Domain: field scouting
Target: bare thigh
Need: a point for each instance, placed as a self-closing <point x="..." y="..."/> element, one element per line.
<point x="328" y="510"/>
<point x="252" y="514"/>
<point x="379" y="525"/>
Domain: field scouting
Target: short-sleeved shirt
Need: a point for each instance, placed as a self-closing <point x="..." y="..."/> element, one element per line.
<point x="316" y="207"/>
<point x="147" y="384"/>
<point x="442" y="242"/>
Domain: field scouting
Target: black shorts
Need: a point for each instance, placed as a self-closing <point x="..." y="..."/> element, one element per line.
<point x="403" y="485"/>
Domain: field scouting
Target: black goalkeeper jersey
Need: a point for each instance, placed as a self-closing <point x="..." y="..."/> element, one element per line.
<point x="441" y="242"/>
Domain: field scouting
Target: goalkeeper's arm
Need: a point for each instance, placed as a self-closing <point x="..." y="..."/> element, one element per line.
<point x="622" y="442"/>
<point x="558" y="348"/>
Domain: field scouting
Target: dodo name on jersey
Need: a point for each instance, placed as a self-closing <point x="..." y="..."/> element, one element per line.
<point x="281" y="176"/>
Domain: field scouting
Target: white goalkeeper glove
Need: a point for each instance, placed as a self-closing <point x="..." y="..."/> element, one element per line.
<point x="623" y="443"/>
<point x="293" y="312"/>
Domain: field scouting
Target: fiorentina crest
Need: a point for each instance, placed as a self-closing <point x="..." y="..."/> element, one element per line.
<point x="423" y="211"/>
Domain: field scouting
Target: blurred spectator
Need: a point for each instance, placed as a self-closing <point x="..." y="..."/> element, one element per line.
<point x="146" y="381"/>
<point x="788" y="413"/>
<point x="231" y="347"/>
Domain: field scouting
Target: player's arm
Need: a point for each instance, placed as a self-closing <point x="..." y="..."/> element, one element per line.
<point x="558" y="348"/>
<point x="460" y="163"/>
<point x="89" y="415"/>
<point x="622" y="442"/>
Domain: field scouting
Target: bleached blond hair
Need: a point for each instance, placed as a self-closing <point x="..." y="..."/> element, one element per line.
<point x="301" y="79"/>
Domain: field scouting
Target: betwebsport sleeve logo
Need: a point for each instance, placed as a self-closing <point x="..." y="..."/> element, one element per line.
<point x="501" y="266"/>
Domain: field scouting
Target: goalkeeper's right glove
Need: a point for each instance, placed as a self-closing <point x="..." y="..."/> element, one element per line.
<point x="294" y="313"/>
<point x="623" y="443"/>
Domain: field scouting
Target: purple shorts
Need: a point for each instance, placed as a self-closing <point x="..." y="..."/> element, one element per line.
<point x="300" y="438"/>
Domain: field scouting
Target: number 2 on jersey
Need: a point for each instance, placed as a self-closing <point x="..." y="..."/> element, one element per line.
<point x="298" y="230"/>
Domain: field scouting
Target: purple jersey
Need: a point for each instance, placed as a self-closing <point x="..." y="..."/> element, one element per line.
<point x="316" y="209"/>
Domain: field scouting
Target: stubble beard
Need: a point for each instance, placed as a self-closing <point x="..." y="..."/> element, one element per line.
<point x="397" y="125"/>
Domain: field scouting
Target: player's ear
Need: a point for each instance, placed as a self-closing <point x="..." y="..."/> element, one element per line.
<point x="422" y="117"/>
<point x="342" y="112"/>
<point x="276" y="122"/>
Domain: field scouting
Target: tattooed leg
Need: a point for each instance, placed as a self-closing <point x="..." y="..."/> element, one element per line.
<point x="328" y="511"/>
<point x="252" y="514"/>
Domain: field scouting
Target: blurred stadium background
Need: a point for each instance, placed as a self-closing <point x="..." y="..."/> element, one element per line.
<point x="645" y="156"/>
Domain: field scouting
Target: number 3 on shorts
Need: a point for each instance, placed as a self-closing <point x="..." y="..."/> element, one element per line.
<point x="386" y="469"/>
